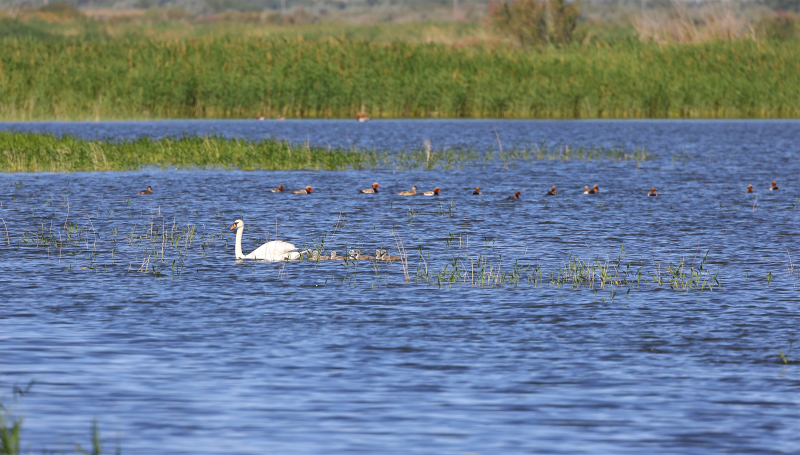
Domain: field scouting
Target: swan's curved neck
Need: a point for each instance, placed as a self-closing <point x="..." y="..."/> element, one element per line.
<point x="238" y="247"/>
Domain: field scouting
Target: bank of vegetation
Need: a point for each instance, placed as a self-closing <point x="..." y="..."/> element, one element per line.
<point x="34" y="152"/>
<point x="529" y="59"/>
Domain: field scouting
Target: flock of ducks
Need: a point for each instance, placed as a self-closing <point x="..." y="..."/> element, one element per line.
<point x="595" y="189"/>
<point x="277" y="250"/>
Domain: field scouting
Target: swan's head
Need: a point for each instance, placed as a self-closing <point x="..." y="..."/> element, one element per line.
<point x="238" y="224"/>
<point x="375" y="185"/>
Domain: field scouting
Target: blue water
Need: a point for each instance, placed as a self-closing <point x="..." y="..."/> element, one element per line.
<point x="219" y="356"/>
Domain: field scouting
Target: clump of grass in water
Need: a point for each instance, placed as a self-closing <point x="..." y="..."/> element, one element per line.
<point x="11" y="427"/>
<point x="36" y="152"/>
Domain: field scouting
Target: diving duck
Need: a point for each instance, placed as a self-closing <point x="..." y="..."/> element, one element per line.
<point x="653" y="192"/>
<point x="146" y="191"/>
<point x="552" y="191"/>
<point x="308" y="190"/>
<point x="279" y="189"/>
<point x="435" y="192"/>
<point x="374" y="189"/>
<point x="515" y="196"/>
<point x="477" y="190"/>
<point x="413" y="192"/>
<point x="749" y="189"/>
<point x="774" y="186"/>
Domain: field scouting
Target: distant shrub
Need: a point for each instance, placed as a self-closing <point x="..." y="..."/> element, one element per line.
<point x="783" y="26"/>
<point x="61" y="9"/>
<point x="533" y="22"/>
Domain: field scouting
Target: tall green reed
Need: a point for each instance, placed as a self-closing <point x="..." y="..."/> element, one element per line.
<point x="239" y="77"/>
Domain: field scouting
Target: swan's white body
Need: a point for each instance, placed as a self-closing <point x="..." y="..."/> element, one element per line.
<point x="271" y="251"/>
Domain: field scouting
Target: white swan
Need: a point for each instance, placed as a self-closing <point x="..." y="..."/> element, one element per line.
<point x="271" y="251"/>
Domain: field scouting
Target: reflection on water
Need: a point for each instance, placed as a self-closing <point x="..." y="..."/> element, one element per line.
<point x="321" y="357"/>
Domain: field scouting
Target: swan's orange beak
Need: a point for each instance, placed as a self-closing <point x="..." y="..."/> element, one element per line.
<point x="233" y="227"/>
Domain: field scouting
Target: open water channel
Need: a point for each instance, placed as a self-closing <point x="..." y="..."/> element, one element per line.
<point x="204" y="354"/>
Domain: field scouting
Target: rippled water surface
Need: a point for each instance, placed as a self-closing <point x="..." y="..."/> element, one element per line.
<point x="175" y="347"/>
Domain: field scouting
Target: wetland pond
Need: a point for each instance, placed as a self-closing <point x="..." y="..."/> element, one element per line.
<point x="613" y="322"/>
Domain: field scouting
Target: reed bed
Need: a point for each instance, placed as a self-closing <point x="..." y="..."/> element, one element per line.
<point x="239" y="77"/>
<point x="35" y="152"/>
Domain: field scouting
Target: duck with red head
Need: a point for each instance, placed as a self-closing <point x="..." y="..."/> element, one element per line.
<point x="308" y="190"/>
<point x="774" y="186"/>
<point x="595" y="189"/>
<point x="477" y="190"/>
<point x="653" y="192"/>
<point x="279" y="189"/>
<point x="435" y="192"/>
<point x="373" y="190"/>
<point x="552" y="192"/>
<point x="515" y="196"/>
<point x="749" y="189"/>
<point x="148" y="190"/>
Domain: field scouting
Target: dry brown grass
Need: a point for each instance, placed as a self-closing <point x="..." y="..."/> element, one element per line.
<point x="711" y="23"/>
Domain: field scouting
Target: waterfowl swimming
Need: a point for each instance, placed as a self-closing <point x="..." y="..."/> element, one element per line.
<point x="594" y="190"/>
<point x="653" y="192"/>
<point x="270" y="251"/>
<point x="260" y="117"/>
<point x="308" y="190"/>
<point x="362" y="117"/>
<point x="515" y="196"/>
<point x="381" y="255"/>
<point x="435" y="192"/>
<point x="413" y="192"/>
<point x="279" y="118"/>
<point x="772" y="188"/>
<point x="334" y="257"/>
<point x="374" y="189"/>
<point x="552" y="191"/>
<point x="312" y="255"/>
<point x="749" y="189"/>
<point x="146" y="191"/>
<point x="477" y="190"/>
<point x="279" y="189"/>
<point x="356" y="255"/>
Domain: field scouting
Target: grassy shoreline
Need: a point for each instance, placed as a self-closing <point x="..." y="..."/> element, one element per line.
<point x="240" y="77"/>
<point x="44" y="152"/>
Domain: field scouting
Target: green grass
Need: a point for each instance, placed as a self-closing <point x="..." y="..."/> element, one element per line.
<point x="34" y="152"/>
<point x="239" y="77"/>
